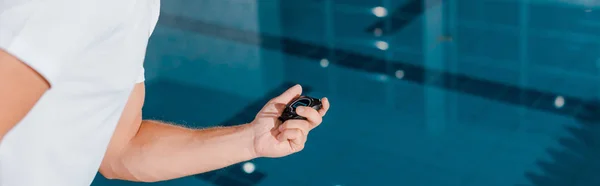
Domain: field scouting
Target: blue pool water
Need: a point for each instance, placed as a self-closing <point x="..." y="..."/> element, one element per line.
<point x="432" y="93"/>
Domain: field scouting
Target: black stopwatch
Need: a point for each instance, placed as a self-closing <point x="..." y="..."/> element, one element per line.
<point x="290" y="109"/>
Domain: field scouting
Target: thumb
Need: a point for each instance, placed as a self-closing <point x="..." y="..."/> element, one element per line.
<point x="289" y="94"/>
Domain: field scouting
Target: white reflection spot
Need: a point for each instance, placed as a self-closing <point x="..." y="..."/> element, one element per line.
<point x="377" y="32"/>
<point x="400" y="74"/>
<point x="559" y="102"/>
<point x="248" y="167"/>
<point x="382" y="45"/>
<point x="324" y="63"/>
<point x="379" y="11"/>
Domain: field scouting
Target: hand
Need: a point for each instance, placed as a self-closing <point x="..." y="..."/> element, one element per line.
<point x="275" y="139"/>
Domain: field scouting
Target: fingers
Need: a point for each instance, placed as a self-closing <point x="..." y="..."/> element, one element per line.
<point x="312" y="115"/>
<point x="301" y="125"/>
<point x="295" y="137"/>
<point x="325" y="108"/>
<point x="289" y="94"/>
<point x="296" y="132"/>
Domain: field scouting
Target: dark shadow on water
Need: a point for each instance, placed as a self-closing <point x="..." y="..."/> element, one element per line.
<point x="576" y="162"/>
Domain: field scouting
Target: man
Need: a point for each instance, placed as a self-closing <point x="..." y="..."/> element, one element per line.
<point x="71" y="94"/>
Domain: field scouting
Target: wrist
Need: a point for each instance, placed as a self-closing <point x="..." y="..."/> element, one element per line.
<point x="249" y="134"/>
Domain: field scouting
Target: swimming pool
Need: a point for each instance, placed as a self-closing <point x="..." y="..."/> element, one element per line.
<point x="423" y="92"/>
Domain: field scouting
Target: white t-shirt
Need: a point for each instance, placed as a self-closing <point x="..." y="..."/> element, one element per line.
<point x="91" y="52"/>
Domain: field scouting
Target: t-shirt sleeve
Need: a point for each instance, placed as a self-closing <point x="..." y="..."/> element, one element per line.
<point x="47" y="38"/>
<point x="141" y="76"/>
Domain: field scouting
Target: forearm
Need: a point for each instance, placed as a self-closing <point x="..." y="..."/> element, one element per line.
<point x="161" y="151"/>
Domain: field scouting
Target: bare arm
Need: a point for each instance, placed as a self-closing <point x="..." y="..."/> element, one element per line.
<point x="149" y="151"/>
<point x="20" y="88"/>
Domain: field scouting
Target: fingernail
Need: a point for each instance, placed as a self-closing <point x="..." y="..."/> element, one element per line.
<point x="300" y="109"/>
